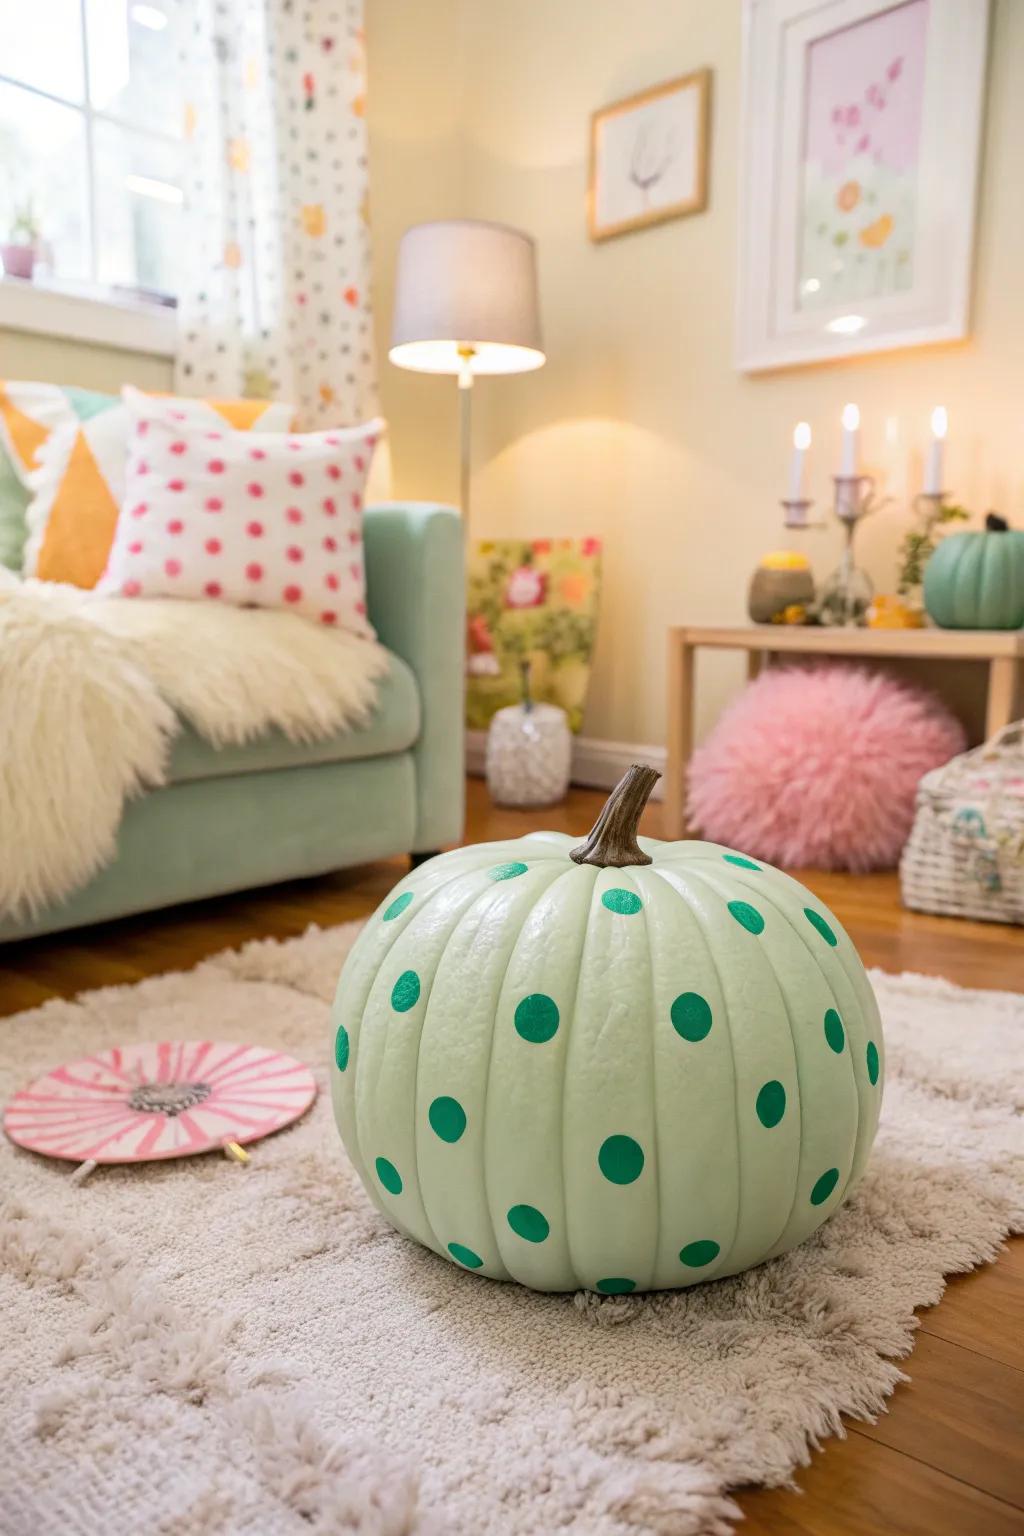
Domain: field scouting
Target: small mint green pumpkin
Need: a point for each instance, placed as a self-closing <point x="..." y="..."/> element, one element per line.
<point x="625" y="1066"/>
<point x="976" y="580"/>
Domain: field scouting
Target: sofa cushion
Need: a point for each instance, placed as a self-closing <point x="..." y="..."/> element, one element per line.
<point x="393" y="727"/>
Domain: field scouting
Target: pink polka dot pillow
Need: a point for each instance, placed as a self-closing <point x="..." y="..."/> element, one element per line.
<point x="209" y="513"/>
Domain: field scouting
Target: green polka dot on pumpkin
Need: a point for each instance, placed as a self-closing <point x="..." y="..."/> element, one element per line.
<point x="771" y="1104"/>
<point x="507" y="871"/>
<point x="536" y="1018"/>
<point x="824" y="1187"/>
<point x="526" y="1221"/>
<point x="696" y="1255"/>
<point x="615" y="1287"/>
<point x="817" y="921"/>
<point x="405" y="993"/>
<point x="691" y="1016"/>
<point x="341" y="1048"/>
<point x="747" y="916"/>
<point x="447" y="1118"/>
<point x="624" y="903"/>
<point x="397" y="907"/>
<point x="872" y="1060"/>
<point x="834" y="1031"/>
<point x="465" y="1255"/>
<point x="389" y="1176"/>
<point x="621" y="1159"/>
<point x="740" y="861"/>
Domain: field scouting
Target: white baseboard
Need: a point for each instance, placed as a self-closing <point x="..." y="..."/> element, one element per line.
<point x="595" y="764"/>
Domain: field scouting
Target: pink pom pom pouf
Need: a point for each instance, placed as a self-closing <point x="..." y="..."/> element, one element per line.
<point x="819" y="767"/>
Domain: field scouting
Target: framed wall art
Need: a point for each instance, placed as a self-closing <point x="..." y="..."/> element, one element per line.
<point x="649" y="157"/>
<point x="860" y="142"/>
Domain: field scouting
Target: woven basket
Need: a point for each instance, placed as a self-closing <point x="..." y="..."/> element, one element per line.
<point x="965" y="854"/>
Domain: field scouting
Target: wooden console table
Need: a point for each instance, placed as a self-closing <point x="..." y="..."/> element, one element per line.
<point x="1003" y="650"/>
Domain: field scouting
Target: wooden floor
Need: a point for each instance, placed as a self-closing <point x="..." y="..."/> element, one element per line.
<point x="947" y="1459"/>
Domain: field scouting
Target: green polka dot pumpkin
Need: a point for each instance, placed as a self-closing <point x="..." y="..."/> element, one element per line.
<point x="627" y="1065"/>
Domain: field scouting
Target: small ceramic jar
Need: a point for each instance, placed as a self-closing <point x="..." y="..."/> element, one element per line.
<point x="529" y="747"/>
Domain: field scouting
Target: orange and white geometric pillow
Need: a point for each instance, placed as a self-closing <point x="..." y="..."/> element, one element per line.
<point x="80" y="479"/>
<point x="272" y="519"/>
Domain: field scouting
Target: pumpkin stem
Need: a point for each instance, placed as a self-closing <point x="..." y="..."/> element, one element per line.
<point x="996" y="524"/>
<point x="612" y="840"/>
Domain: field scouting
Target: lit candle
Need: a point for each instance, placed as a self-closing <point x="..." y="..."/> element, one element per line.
<point x="933" y="468"/>
<point x="851" y="430"/>
<point x="801" y="443"/>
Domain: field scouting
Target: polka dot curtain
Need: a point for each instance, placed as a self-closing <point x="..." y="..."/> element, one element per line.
<point x="274" y="299"/>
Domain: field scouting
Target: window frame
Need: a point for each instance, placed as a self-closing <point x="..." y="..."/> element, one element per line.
<point x="89" y="311"/>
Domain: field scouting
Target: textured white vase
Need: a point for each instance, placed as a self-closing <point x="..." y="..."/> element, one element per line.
<point x="528" y="754"/>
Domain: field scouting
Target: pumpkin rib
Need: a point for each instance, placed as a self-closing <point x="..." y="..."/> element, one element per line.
<point x="680" y="890"/>
<point x="804" y="941"/>
<point x="412" y="1178"/>
<point x="485" y="891"/>
<point x="656" y="1159"/>
<point x="840" y="956"/>
<point x="996" y="571"/>
<point x="761" y="890"/>
<point x="366" y="939"/>
<point x="845" y="954"/>
<point x="977" y="573"/>
<point x="570" y="1022"/>
<point x="490" y="1062"/>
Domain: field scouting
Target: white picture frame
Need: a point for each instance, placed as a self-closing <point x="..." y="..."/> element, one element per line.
<point x="856" y="228"/>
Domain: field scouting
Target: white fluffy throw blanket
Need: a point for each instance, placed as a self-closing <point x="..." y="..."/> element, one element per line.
<point x="93" y="691"/>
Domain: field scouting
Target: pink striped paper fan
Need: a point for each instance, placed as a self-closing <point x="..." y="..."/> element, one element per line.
<point x="167" y="1098"/>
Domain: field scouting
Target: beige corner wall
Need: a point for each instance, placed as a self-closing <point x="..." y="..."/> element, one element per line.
<point x="639" y="429"/>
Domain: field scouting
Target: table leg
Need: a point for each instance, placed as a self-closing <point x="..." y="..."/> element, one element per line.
<point x="755" y="662"/>
<point x="1002" y="677"/>
<point x="679" y="741"/>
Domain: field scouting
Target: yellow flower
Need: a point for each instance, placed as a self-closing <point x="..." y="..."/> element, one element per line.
<point x="359" y="105"/>
<point x="238" y="154"/>
<point x="189" y="124"/>
<point x="313" y="219"/>
<point x="326" y="394"/>
<point x="233" y="255"/>
<point x="877" y="234"/>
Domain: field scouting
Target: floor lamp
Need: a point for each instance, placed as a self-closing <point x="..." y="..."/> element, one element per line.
<point x="466" y="304"/>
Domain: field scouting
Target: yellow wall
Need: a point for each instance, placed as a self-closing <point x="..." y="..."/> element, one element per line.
<point x="639" y="429"/>
<point x="417" y="172"/>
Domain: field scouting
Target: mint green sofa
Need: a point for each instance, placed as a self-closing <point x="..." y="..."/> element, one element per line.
<point x="239" y="817"/>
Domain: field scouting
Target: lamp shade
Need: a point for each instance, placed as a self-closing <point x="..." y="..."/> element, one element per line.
<point x="462" y="284"/>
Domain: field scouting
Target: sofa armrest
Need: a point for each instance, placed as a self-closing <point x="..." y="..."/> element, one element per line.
<point x="416" y="595"/>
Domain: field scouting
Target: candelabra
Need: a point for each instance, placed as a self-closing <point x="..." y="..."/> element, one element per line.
<point x="846" y="595"/>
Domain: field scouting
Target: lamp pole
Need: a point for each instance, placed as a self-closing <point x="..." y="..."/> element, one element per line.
<point x="466" y="356"/>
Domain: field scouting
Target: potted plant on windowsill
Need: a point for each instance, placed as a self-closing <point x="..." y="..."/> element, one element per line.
<point x="20" y="250"/>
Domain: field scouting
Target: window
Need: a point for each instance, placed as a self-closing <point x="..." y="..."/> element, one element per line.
<point x="90" y="143"/>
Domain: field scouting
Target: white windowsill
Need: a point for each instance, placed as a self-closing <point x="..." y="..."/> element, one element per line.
<point x="106" y="322"/>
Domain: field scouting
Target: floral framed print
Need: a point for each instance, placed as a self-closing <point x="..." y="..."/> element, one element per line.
<point x="649" y="157"/>
<point x="860" y="144"/>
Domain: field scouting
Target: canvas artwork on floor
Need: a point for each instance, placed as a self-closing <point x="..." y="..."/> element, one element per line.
<point x="532" y="600"/>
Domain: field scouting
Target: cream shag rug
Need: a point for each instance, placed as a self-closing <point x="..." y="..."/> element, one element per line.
<point x="200" y="1349"/>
